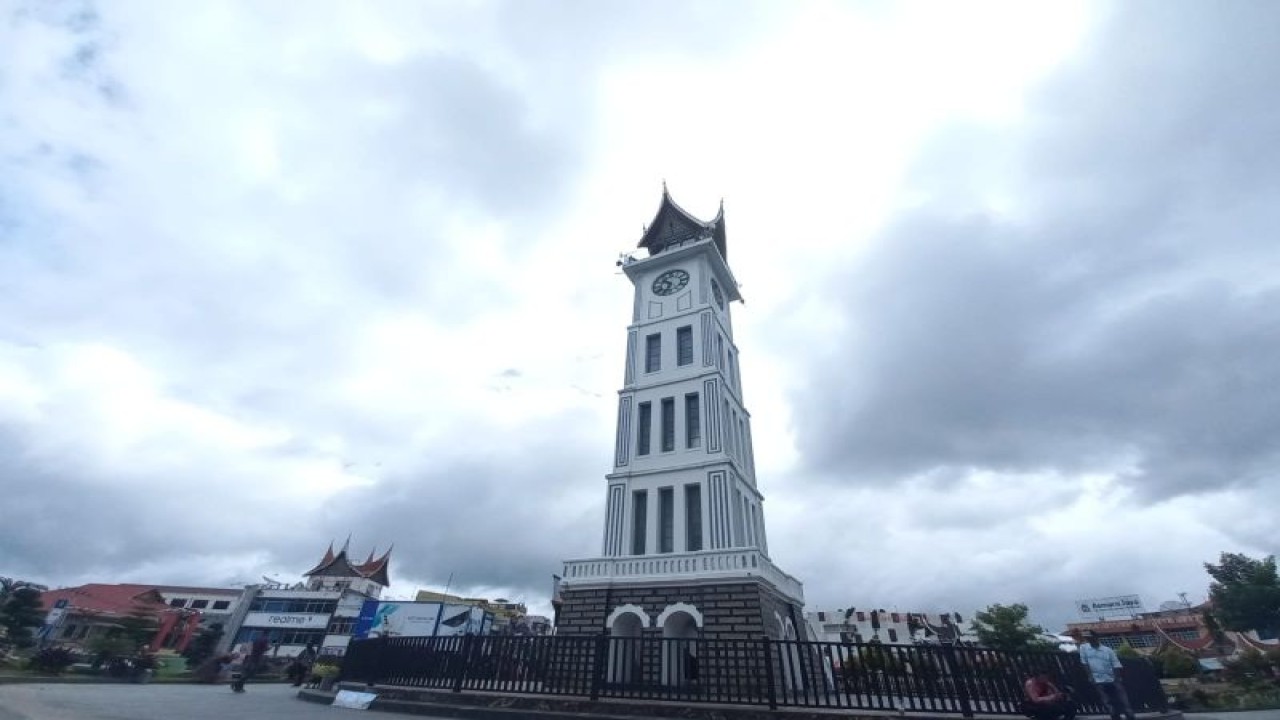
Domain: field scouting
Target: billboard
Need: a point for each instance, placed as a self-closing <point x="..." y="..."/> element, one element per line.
<point x="1117" y="606"/>
<point x="389" y="618"/>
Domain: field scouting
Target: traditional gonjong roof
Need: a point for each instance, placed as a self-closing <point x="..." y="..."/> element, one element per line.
<point x="672" y="225"/>
<point x="340" y="565"/>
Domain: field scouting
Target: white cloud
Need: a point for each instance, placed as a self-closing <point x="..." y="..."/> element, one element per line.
<point x="278" y="271"/>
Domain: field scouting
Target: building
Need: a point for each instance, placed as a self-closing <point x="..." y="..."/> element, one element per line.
<point x="684" y="552"/>
<point x="322" y="611"/>
<point x="215" y="605"/>
<point x="505" y="612"/>
<point x="1183" y="627"/>
<point x="78" y="616"/>
<point x="854" y="625"/>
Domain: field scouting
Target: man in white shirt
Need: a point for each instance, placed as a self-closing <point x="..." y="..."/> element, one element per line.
<point x="1104" y="670"/>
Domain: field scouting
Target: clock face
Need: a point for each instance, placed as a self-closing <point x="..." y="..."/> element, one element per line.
<point x="715" y="293"/>
<point x="670" y="281"/>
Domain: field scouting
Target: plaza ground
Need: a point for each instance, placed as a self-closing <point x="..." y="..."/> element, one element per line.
<point x="217" y="702"/>
<point x="165" y="702"/>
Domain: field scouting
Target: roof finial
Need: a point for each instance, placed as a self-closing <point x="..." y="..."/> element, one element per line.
<point x="664" y="187"/>
<point x="347" y="544"/>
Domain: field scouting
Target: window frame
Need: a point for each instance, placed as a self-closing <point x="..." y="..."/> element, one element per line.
<point x="668" y="438"/>
<point x="692" y="421"/>
<point x="653" y="353"/>
<point x="684" y="345"/>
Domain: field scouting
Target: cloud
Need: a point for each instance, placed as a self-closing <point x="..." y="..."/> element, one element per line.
<point x="277" y="276"/>
<point x="1081" y="293"/>
<point x="266" y="266"/>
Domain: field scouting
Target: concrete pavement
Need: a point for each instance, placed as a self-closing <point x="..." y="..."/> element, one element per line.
<point x="165" y="702"/>
<point x="1240" y="715"/>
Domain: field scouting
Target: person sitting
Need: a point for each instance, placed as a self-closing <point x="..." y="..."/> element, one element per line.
<point x="1045" y="701"/>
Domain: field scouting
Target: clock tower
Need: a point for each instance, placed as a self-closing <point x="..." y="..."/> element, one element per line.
<point x="684" y="552"/>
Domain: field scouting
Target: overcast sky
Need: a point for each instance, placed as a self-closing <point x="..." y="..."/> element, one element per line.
<point x="276" y="273"/>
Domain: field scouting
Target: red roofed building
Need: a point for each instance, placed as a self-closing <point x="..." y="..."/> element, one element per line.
<point x="95" y="610"/>
<point x="1184" y="628"/>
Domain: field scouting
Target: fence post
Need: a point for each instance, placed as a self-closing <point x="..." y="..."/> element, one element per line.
<point x="959" y="677"/>
<point x="597" y="665"/>
<point x="466" y="662"/>
<point x="768" y="673"/>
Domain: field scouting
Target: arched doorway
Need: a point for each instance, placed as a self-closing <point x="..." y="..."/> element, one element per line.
<point x="681" y="625"/>
<point x="625" y="627"/>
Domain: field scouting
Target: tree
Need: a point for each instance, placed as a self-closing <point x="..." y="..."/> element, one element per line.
<point x="1177" y="663"/>
<point x="20" y="610"/>
<point x="203" y="645"/>
<point x="1126" y="652"/>
<point x="1249" y="669"/>
<point x="1005" y="627"/>
<point x="1245" y="593"/>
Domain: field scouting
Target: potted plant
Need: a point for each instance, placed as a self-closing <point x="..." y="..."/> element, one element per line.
<point x="327" y="673"/>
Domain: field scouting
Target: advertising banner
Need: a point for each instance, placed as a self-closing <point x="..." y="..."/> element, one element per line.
<point x="419" y="619"/>
<point x="1117" y="606"/>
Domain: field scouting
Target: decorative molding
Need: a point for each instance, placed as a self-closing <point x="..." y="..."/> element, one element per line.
<point x="710" y="406"/>
<point x="613" y="522"/>
<point x="674" y="608"/>
<point x="645" y="620"/>
<point x="684" y="301"/>
<point x="629" y="375"/>
<point x="716" y="486"/>
<point x="655" y="310"/>
<point x="623" y="455"/>
<point x="708" y="334"/>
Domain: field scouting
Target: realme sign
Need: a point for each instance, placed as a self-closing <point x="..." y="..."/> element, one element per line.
<point x="300" y="621"/>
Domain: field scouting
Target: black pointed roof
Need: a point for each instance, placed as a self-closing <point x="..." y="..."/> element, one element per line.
<point x="340" y="565"/>
<point x="674" y="226"/>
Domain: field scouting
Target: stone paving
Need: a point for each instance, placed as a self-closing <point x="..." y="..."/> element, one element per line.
<point x="165" y="702"/>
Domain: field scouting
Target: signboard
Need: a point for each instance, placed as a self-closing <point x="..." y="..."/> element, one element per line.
<point x="420" y="619"/>
<point x="1118" y="606"/>
<point x="298" y="621"/>
<point x="53" y="619"/>
<point x="353" y="699"/>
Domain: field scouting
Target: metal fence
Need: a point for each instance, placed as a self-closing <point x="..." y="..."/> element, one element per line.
<point x="773" y="673"/>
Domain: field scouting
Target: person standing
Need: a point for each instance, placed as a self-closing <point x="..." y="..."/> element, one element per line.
<point x="1105" y="671"/>
<point x="253" y="664"/>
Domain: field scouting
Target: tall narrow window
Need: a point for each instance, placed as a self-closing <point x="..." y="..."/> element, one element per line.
<point x="733" y="379"/>
<point x="692" y="421"/>
<point x="720" y="350"/>
<point x="693" y="517"/>
<point x="646" y="426"/>
<point x="668" y="424"/>
<point x="666" y="520"/>
<point x="639" y="520"/>
<point x="653" y="353"/>
<point x="684" y="345"/>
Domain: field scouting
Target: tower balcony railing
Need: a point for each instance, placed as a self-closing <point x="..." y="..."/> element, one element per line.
<point x="704" y="564"/>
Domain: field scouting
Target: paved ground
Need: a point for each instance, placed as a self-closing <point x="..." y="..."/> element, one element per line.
<point x="1244" y="715"/>
<point x="166" y="702"/>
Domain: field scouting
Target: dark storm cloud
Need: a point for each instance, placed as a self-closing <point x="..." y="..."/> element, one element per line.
<point x="1089" y="291"/>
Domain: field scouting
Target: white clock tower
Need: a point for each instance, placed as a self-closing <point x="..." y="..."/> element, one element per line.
<point x="684" y="551"/>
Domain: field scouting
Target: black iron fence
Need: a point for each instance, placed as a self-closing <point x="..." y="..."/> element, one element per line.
<point x="774" y="673"/>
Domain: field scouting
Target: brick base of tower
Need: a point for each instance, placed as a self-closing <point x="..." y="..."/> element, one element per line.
<point x="745" y="609"/>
